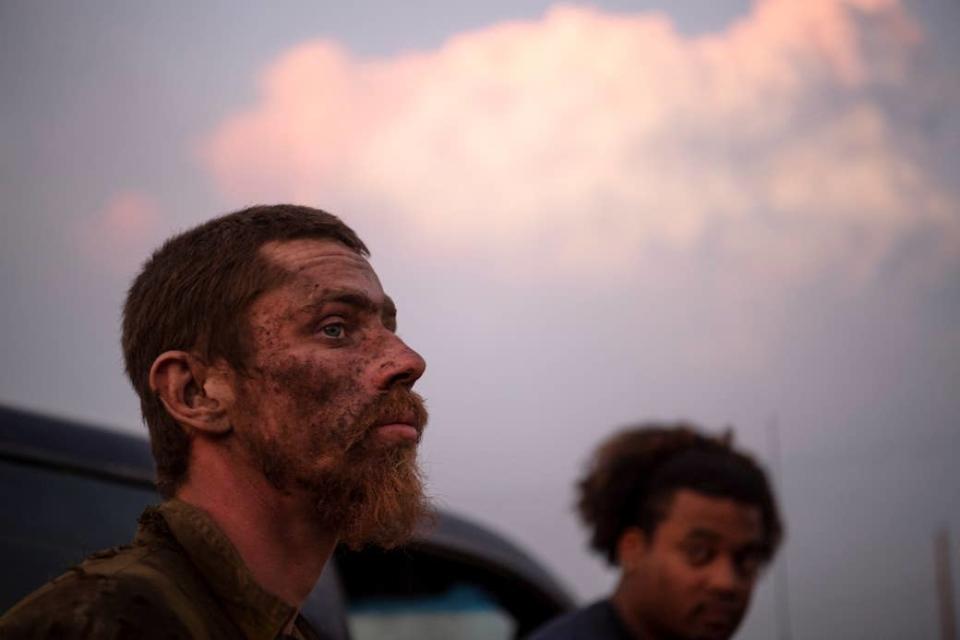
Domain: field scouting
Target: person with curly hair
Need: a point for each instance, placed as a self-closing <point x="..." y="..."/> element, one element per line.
<point x="689" y="520"/>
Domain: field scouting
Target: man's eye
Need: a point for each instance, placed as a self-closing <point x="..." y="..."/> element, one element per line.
<point x="333" y="330"/>
<point x="749" y="563"/>
<point x="697" y="554"/>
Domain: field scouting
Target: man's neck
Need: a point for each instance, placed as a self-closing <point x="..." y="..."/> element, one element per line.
<point x="628" y="615"/>
<point x="274" y="532"/>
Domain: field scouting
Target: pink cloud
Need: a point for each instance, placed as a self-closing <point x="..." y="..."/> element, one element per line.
<point x="121" y="232"/>
<point x="586" y="141"/>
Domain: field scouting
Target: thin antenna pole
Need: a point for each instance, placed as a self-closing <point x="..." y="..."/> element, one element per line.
<point x="941" y="562"/>
<point x="781" y="590"/>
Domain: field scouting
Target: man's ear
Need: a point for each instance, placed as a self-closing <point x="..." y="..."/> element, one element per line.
<point x="632" y="548"/>
<point x="194" y="393"/>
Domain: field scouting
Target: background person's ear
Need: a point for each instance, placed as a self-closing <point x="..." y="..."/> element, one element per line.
<point x="194" y="393"/>
<point x="631" y="549"/>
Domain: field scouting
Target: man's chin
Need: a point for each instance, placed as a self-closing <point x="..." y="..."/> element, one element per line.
<point x="387" y="534"/>
<point x="717" y="629"/>
<point x="378" y="500"/>
<point x="386" y="525"/>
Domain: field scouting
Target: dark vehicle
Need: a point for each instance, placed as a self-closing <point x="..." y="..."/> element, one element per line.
<point x="67" y="490"/>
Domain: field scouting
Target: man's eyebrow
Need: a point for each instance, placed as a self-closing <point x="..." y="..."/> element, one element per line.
<point x="388" y="313"/>
<point x="754" y="546"/>
<point x="350" y="298"/>
<point x="389" y="307"/>
<point x="700" y="533"/>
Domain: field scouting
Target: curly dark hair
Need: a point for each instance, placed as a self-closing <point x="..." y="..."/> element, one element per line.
<point x="633" y="475"/>
<point x="193" y="294"/>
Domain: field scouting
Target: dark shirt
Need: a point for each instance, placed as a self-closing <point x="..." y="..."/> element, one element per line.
<point x="180" y="579"/>
<point x="599" y="621"/>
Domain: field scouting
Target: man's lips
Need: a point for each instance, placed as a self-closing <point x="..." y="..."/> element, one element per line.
<point x="721" y="615"/>
<point x="398" y="432"/>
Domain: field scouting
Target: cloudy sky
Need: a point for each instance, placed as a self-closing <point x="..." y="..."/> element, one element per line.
<point x="740" y="213"/>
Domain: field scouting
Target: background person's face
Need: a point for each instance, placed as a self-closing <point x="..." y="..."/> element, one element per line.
<point x="697" y="572"/>
<point x="327" y="405"/>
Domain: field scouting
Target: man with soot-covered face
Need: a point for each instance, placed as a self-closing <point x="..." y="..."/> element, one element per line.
<point x="282" y="420"/>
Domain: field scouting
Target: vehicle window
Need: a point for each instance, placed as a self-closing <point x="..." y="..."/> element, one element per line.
<point x="50" y="520"/>
<point x="463" y="612"/>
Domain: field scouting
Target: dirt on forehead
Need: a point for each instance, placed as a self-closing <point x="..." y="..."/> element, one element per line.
<point x="308" y="280"/>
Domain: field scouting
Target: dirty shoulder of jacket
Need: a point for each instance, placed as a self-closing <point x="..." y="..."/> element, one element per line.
<point x="115" y="594"/>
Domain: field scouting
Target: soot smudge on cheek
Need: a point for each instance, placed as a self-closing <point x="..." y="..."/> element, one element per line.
<point x="308" y="382"/>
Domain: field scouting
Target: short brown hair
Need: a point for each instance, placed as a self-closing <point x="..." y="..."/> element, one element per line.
<point x="633" y="475"/>
<point x="193" y="294"/>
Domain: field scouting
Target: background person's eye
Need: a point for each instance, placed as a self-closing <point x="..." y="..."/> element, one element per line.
<point x="749" y="564"/>
<point x="698" y="554"/>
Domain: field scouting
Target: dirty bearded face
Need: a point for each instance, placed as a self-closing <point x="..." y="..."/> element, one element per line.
<point x="327" y="406"/>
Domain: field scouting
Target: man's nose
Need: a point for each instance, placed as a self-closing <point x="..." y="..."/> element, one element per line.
<point x="401" y="365"/>
<point x="724" y="577"/>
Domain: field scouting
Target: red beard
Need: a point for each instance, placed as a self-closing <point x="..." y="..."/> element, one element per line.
<point x="371" y="492"/>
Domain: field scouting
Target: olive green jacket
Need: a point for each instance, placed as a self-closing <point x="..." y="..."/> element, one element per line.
<point x="181" y="578"/>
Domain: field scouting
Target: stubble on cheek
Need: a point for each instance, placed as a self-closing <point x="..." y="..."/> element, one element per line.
<point x="293" y="427"/>
<point x="285" y="404"/>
